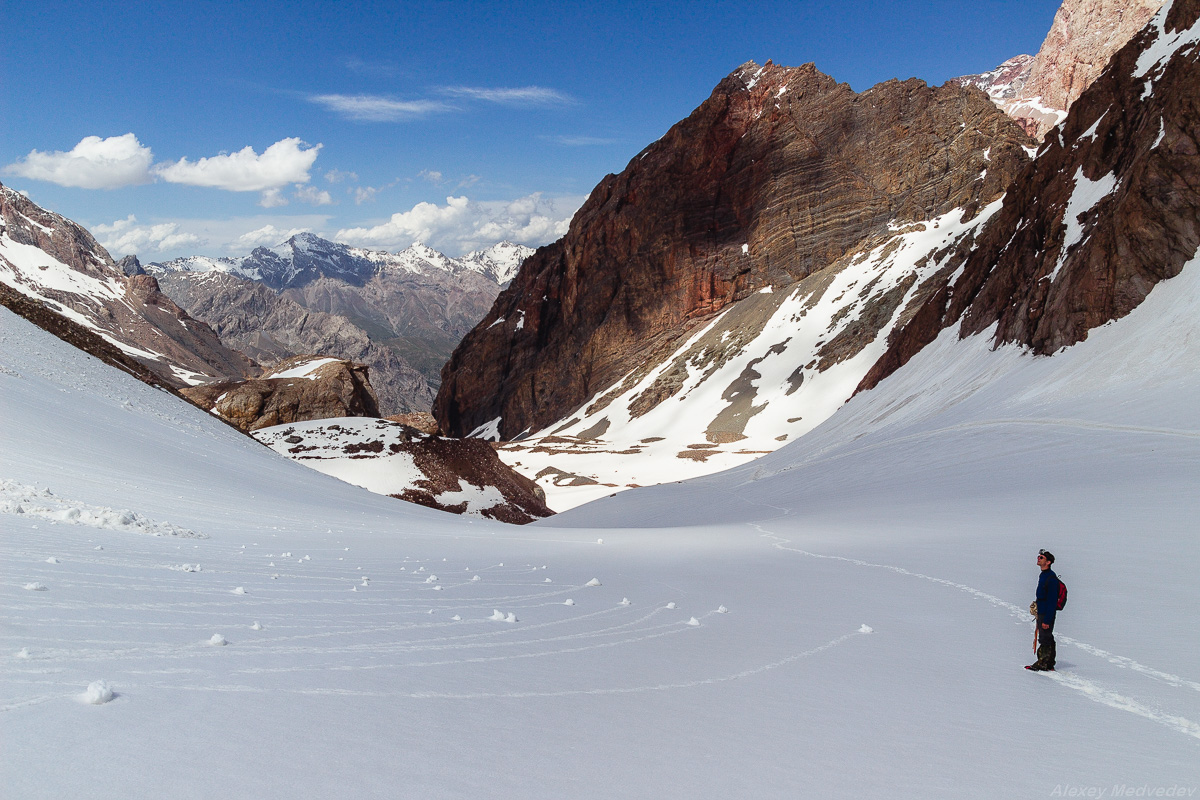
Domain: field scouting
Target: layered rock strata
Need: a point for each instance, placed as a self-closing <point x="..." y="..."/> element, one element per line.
<point x="777" y="176"/>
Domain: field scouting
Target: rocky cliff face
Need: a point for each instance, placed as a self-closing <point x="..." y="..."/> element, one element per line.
<point x="779" y="175"/>
<point x="399" y="313"/>
<point x="1110" y="207"/>
<point x="48" y="258"/>
<point x="299" y="389"/>
<point x="1038" y="91"/>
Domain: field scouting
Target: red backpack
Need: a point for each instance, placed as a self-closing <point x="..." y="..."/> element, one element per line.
<point x="1062" y="595"/>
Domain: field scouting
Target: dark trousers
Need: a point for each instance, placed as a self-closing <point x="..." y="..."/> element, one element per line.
<point x="1046" y="652"/>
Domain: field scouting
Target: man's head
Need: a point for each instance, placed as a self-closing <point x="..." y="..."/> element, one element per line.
<point x="1045" y="559"/>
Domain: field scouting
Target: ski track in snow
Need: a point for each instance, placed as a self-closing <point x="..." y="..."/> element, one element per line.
<point x="302" y="638"/>
<point x="1089" y="689"/>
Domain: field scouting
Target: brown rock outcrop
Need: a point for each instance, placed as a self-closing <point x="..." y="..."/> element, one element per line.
<point x="329" y="388"/>
<point x="780" y="173"/>
<point x="462" y="476"/>
<point x="1109" y="208"/>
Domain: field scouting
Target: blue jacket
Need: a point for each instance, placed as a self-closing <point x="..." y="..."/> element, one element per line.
<point x="1047" y="596"/>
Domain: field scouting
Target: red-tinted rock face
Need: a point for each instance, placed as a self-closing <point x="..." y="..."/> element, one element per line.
<point x="778" y="174"/>
<point x="1037" y="91"/>
<point x="1110" y="207"/>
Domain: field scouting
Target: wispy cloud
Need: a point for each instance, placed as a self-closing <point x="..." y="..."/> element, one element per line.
<point x="126" y="236"/>
<point x="511" y="96"/>
<point x="94" y="163"/>
<point x="313" y="196"/>
<point x="339" y="176"/>
<point x="262" y="237"/>
<point x="384" y="69"/>
<point x="374" y="108"/>
<point x="580" y="141"/>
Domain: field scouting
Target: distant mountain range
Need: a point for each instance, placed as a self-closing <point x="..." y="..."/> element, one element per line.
<point x="401" y="314"/>
<point x="306" y="257"/>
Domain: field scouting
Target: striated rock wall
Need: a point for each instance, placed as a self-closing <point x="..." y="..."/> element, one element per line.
<point x="780" y="173"/>
<point x="1110" y="207"/>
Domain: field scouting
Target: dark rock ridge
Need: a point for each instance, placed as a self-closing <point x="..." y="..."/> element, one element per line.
<point x="462" y="476"/>
<point x="779" y="174"/>
<point x="314" y="387"/>
<point x="400" y="313"/>
<point x="57" y="262"/>
<point x="1110" y="207"/>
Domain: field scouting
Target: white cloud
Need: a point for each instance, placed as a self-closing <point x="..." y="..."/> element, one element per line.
<point x="338" y="176"/>
<point x="365" y="194"/>
<point x="282" y="163"/>
<point x="94" y="163"/>
<point x="513" y="96"/>
<point x="263" y="237"/>
<point x="313" y="196"/>
<point x="431" y="175"/>
<point x="462" y="225"/>
<point x="272" y="198"/>
<point x="373" y="108"/>
<point x="126" y="236"/>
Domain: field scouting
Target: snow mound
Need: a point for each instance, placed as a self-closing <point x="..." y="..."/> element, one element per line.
<point x="98" y="693"/>
<point x="52" y="560"/>
<point x="866" y="629"/>
<point x="593" y="582"/>
<point x="693" y="622"/>
<point x="29" y="501"/>
<point x="568" y="602"/>
<point x="36" y="587"/>
<point x="218" y="640"/>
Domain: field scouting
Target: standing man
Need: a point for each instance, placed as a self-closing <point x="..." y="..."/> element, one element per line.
<point x="1047" y="606"/>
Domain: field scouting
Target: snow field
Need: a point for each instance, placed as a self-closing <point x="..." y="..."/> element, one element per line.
<point x="914" y="512"/>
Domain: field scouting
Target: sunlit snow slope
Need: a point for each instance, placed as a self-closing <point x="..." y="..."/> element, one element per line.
<point x="843" y="618"/>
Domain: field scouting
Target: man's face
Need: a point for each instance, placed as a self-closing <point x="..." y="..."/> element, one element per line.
<point x="1042" y="562"/>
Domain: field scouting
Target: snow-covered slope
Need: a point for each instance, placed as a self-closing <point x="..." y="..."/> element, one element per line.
<point x="766" y="371"/>
<point x="843" y="618"/>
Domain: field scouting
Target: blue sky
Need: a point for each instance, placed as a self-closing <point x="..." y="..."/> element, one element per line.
<point x="210" y="127"/>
